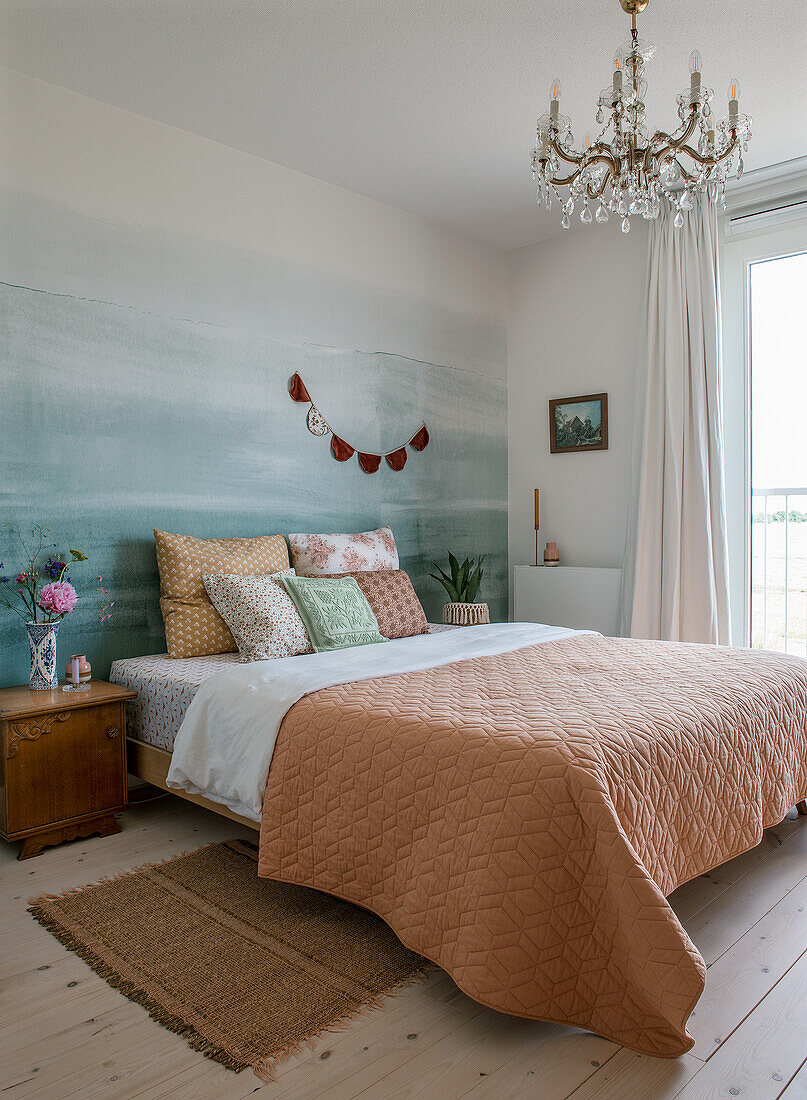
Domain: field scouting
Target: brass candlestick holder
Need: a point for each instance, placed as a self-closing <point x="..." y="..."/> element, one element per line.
<point x="537" y="525"/>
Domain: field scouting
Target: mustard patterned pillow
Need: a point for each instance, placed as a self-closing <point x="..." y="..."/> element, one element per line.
<point x="193" y="627"/>
<point x="261" y="615"/>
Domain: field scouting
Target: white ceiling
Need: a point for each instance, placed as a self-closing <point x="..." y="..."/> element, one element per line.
<point x="428" y="105"/>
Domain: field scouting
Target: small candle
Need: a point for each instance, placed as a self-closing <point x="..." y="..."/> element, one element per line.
<point x="74" y="673"/>
<point x="554" y="105"/>
<point x="536" y="510"/>
<point x="695" y="76"/>
<point x="734" y="105"/>
<point x="619" y="62"/>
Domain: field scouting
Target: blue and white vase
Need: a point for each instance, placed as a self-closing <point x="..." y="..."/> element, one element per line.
<point x="42" y="640"/>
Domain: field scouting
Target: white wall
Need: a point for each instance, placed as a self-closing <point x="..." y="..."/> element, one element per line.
<point x="207" y="232"/>
<point x="575" y="313"/>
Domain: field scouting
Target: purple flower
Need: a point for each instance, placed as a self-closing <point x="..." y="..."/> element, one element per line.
<point x="54" y="568"/>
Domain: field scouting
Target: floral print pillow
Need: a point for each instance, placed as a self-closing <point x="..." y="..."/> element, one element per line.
<point x="260" y="613"/>
<point x="316" y="555"/>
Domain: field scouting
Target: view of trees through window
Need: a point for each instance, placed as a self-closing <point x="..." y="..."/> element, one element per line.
<point x="779" y="454"/>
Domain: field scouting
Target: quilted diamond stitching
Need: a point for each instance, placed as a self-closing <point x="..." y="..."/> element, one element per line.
<point x="521" y="818"/>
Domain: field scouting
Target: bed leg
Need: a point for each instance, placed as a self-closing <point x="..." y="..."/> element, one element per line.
<point x="802" y="807"/>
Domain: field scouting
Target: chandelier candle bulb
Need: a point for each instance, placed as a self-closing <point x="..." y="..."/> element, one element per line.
<point x="554" y="105"/>
<point x="734" y="105"/>
<point x="695" y="76"/>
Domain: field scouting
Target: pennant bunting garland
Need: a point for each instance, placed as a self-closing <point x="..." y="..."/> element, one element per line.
<point x="342" y="451"/>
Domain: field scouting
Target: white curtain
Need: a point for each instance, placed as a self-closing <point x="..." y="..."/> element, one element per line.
<point x="675" y="576"/>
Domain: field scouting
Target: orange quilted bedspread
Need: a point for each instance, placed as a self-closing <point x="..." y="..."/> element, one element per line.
<point x="520" y="819"/>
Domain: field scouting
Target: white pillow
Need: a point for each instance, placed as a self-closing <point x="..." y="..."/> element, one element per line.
<point x="313" y="555"/>
<point x="260" y="613"/>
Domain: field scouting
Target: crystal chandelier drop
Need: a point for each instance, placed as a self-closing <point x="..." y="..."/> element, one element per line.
<point x="626" y="170"/>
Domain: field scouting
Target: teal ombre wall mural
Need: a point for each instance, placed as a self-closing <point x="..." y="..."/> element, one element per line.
<point x="116" y="420"/>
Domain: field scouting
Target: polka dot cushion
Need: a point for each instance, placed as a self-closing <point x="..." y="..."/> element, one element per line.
<point x="261" y="615"/>
<point x="193" y="627"/>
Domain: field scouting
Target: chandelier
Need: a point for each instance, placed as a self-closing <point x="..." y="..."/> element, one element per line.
<point x="626" y="170"/>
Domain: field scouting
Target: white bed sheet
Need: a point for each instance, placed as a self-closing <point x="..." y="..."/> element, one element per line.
<point x="225" y="743"/>
<point x="165" y="687"/>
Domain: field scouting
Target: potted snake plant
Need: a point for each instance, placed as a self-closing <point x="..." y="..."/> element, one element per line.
<point x="462" y="585"/>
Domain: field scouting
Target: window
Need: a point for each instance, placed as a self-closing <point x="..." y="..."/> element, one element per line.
<point x="764" y="291"/>
<point x="778" y="299"/>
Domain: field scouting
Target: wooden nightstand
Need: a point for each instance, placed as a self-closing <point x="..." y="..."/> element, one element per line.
<point x="63" y="764"/>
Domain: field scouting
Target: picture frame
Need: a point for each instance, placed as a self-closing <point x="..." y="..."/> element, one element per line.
<point x="578" y="424"/>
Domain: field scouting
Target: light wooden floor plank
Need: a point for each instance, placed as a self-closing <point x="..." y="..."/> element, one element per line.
<point x="631" y="1076"/>
<point x="765" y="1051"/>
<point x="551" y="1063"/>
<point x="372" y="1051"/>
<point x="797" y="1089"/>
<point x="716" y="927"/>
<point x="64" y="1033"/>
<point x="743" y="975"/>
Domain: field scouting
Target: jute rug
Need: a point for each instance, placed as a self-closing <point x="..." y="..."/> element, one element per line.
<point x="244" y="969"/>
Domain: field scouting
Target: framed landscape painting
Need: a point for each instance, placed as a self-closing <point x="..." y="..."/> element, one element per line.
<point x="578" y="423"/>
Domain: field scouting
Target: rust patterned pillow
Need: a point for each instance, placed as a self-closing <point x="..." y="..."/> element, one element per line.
<point x="393" y="601"/>
<point x="193" y="627"/>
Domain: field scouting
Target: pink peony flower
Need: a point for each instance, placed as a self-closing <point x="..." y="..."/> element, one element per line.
<point x="58" y="598"/>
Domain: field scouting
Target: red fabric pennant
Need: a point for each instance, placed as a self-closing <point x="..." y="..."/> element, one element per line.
<point x="369" y="463"/>
<point x="397" y="459"/>
<point x="297" y="390"/>
<point x="341" y="451"/>
<point x="420" y="440"/>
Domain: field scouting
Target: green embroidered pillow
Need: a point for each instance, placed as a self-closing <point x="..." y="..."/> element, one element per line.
<point x="336" y="612"/>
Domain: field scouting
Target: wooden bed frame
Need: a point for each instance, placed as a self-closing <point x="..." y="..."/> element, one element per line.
<point x="151" y="765"/>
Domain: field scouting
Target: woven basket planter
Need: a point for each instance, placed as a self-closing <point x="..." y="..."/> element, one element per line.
<point x="466" y="614"/>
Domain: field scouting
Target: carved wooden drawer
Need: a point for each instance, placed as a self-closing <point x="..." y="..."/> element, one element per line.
<point x="63" y="763"/>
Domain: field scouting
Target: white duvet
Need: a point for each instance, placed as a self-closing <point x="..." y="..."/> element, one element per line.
<point x="224" y="746"/>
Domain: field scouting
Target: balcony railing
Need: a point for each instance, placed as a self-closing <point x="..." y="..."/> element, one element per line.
<point x="779" y="570"/>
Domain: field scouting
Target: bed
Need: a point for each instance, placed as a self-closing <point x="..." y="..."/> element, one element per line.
<point x="516" y="802"/>
<point x="165" y="687"/>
